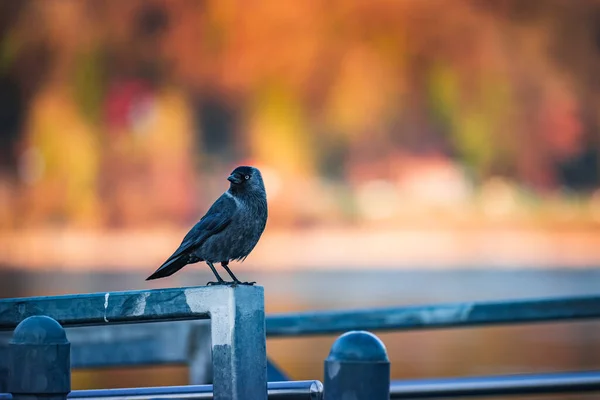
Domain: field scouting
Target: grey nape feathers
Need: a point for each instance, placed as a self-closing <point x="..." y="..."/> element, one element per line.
<point x="229" y="230"/>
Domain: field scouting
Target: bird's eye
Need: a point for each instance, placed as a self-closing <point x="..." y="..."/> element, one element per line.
<point x="247" y="177"/>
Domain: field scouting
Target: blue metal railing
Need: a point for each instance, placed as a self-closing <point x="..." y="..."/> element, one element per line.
<point x="170" y="342"/>
<point x="298" y="390"/>
<point x="435" y="316"/>
<point x="523" y="384"/>
<point x="137" y="344"/>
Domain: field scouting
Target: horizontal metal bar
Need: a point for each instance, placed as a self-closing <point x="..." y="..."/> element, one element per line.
<point x="294" y="390"/>
<point x="172" y="304"/>
<point x="96" y="347"/>
<point x="434" y="316"/>
<point x="497" y="385"/>
<point x="113" y="307"/>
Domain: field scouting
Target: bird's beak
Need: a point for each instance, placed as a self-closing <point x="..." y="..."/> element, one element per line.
<point x="234" y="179"/>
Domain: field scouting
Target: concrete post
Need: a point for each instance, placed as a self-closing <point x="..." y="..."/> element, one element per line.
<point x="239" y="348"/>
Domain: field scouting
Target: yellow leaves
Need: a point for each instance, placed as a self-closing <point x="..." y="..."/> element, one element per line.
<point x="68" y="153"/>
<point x="480" y="121"/>
<point x="361" y="93"/>
<point x="443" y="91"/>
<point x="279" y="136"/>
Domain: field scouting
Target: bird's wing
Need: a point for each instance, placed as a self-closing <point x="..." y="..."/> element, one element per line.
<point x="218" y="216"/>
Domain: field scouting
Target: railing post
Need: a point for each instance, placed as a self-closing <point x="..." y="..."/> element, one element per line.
<point x="239" y="348"/>
<point x="357" y="368"/>
<point x="39" y="364"/>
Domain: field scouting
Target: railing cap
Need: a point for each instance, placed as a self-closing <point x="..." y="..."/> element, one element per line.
<point x="39" y="329"/>
<point x="358" y="346"/>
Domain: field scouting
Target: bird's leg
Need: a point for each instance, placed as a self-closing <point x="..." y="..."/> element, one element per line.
<point x="220" y="280"/>
<point x="225" y="264"/>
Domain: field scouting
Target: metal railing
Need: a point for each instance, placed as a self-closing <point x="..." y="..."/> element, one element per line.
<point x="435" y="316"/>
<point x="238" y="322"/>
<point x="189" y="342"/>
<point x="524" y="384"/>
<point x="298" y="390"/>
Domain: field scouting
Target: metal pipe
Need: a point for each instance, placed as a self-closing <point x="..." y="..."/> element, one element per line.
<point x="117" y="345"/>
<point x="296" y="390"/>
<point x="434" y="316"/>
<point x="496" y="385"/>
<point x="91" y="309"/>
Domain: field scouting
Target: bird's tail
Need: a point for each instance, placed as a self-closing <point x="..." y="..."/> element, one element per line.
<point x="169" y="267"/>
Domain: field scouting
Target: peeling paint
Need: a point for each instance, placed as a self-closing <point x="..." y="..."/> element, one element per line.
<point x="140" y="304"/>
<point x="106" y="306"/>
<point x="466" y="312"/>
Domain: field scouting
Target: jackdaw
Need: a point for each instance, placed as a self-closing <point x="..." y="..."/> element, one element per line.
<point x="229" y="230"/>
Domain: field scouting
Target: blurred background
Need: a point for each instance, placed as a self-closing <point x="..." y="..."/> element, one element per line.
<point x="413" y="152"/>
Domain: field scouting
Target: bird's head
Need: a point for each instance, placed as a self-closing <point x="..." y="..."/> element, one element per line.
<point x="246" y="178"/>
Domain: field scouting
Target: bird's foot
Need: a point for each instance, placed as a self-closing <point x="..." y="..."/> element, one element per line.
<point x="244" y="283"/>
<point x="233" y="283"/>
<point x="218" y="283"/>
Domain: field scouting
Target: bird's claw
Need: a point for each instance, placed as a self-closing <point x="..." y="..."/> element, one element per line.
<point x="240" y="283"/>
<point x="218" y="283"/>
<point x="233" y="284"/>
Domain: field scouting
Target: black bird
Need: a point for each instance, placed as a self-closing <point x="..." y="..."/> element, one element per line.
<point x="229" y="231"/>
